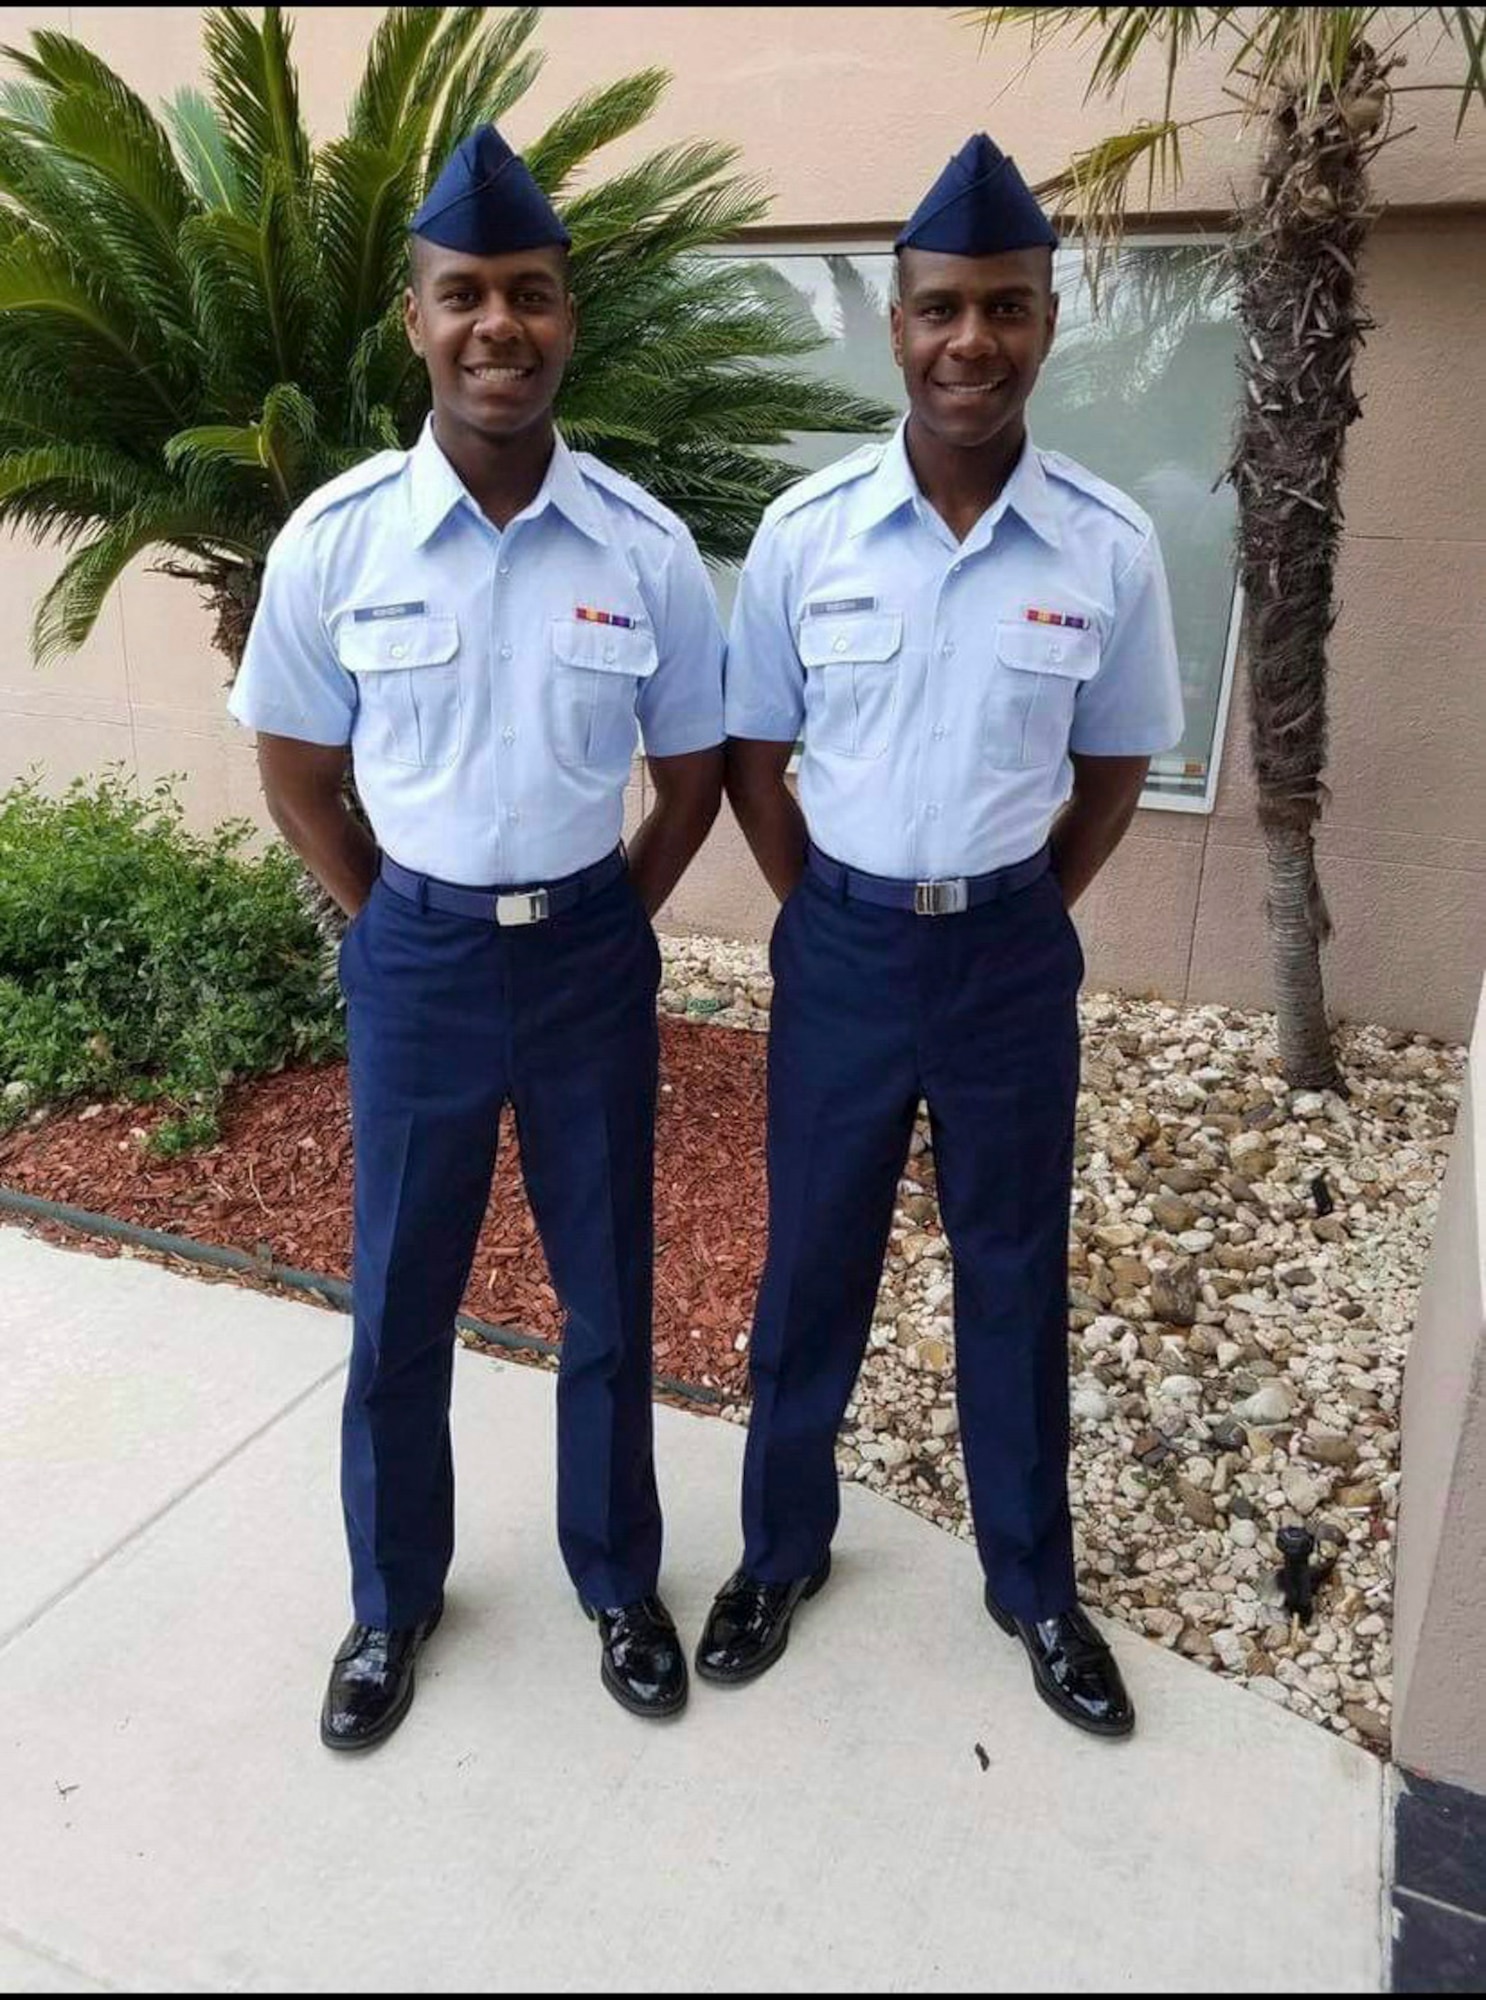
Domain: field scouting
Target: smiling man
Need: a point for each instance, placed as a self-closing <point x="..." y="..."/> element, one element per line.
<point x="479" y="623"/>
<point x="975" y="640"/>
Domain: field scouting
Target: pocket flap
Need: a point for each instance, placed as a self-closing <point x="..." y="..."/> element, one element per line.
<point x="867" y="636"/>
<point x="1047" y="649"/>
<point x="387" y="645"/>
<point x="604" y="649"/>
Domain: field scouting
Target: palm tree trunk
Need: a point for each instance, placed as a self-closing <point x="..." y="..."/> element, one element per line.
<point x="1297" y="252"/>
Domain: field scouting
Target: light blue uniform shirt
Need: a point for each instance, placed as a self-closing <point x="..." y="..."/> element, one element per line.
<point x="937" y="712"/>
<point x="491" y="726"/>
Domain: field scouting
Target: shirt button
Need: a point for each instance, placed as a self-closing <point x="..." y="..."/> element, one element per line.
<point x="506" y="652"/>
<point x="947" y="648"/>
<point x="932" y="811"/>
<point x="1055" y="652"/>
<point x="940" y="731"/>
<point x="610" y="654"/>
<point x="955" y="568"/>
<point x="503" y="569"/>
<point x="840" y="646"/>
<point x="513" y="813"/>
<point x="508" y="735"/>
<point x="399" y="652"/>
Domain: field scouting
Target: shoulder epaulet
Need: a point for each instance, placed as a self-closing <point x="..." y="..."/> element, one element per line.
<point x="1058" y="466"/>
<point x="816" y="485"/>
<point x="373" y="471"/>
<point x="630" y="491"/>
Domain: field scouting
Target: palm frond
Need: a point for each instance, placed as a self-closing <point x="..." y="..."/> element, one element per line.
<point x="283" y="445"/>
<point x="256" y="93"/>
<point x="97" y="119"/>
<point x="255" y="280"/>
<point x="92" y="142"/>
<point x="394" y="64"/>
<point x="654" y="188"/>
<point x="61" y="490"/>
<point x="218" y="444"/>
<point x="1093" y="190"/>
<point x="492" y="77"/>
<point x="66" y="303"/>
<point x="69" y="610"/>
<point x="201" y="143"/>
<point x="1470" y="23"/>
<point x="363" y="197"/>
<point x="593" y="120"/>
<point x="45" y="197"/>
<point x="1123" y="35"/>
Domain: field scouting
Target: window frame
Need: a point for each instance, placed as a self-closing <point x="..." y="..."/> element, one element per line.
<point x="863" y="243"/>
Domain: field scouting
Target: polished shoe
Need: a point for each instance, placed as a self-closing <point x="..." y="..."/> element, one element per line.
<point x="1072" y="1668"/>
<point x="748" y="1626"/>
<point x="643" y="1667"/>
<point x="371" y="1683"/>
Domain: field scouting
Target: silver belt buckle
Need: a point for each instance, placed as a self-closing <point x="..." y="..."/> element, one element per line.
<point x="940" y="899"/>
<point x="527" y="907"/>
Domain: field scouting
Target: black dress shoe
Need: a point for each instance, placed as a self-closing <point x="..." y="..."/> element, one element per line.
<point x="748" y="1626"/>
<point x="1072" y="1669"/>
<point x="371" y="1683"/>
<point x="643" y="1667"/>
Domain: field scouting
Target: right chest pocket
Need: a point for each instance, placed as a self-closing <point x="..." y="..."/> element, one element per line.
<point x="407" y="676"/>
<point x="851" y="662"/>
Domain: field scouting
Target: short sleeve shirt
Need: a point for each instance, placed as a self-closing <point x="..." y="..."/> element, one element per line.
<point x="939" y="686"/>
<point x="488" y="682"/>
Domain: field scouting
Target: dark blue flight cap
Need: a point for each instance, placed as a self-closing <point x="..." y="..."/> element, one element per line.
<point x="978" y="206"/>
<point x="486" y="203"/>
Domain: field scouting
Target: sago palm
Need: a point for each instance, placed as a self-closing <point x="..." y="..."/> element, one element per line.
<point x="200" y="312"/>
<point x="1318" y="85"/>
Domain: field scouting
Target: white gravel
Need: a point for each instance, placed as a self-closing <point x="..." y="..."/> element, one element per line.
<point x="1237" y="1353"/>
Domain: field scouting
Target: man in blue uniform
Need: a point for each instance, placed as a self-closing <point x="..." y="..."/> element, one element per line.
<point x="971" y="634"/>
<point x="478" y="623"/>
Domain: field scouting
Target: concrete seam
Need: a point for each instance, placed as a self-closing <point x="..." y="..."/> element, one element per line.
<point x="48" y="1956"/>
<point x="1419" y="867"/>
<point x="1207" y="834"/>
<point x="128" y="679"/>
<point x="1420" y="541"/>
<point x="168" y="1507"/>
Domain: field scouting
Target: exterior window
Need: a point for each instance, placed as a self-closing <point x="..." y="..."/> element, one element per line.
<point x="1142" y="394"/>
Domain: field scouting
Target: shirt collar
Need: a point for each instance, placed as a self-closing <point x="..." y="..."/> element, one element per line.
<point x="437" y="489"/>
<point x="892" y="485"/>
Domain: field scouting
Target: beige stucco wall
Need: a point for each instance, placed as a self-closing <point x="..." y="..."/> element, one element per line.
<point x="1440" y="1607"/>
<point x="828" y="107"/>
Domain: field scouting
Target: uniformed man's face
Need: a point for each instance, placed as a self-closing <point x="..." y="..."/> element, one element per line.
<point x="970" y="335"/>
<point x="495" y="332"/>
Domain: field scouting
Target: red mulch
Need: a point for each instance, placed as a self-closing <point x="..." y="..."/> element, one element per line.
<point x="279" y="1183"/>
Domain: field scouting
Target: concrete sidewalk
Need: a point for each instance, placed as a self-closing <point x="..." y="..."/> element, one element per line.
<point x="173" y="1588"/>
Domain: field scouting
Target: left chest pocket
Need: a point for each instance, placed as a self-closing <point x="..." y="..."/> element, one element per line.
<point x="1031" y="689"/>
<point x="852" y="664"/>
<point x="407" y="675"/>
<point x="597" y="673"/>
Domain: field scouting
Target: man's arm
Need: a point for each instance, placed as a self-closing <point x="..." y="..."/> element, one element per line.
<point x="304" y="786"/>
<point x="767" y="810"/>
<point x="688" y="791"/>
<point x="1106" y="791"/>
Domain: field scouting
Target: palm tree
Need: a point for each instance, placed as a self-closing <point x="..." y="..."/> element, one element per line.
<point x="1319" y="84"/>
<point x="200" y="313"/>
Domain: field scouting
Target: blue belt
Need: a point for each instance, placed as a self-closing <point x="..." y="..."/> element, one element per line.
<point x="503" y="906"/>
<point x="943" y="898"/>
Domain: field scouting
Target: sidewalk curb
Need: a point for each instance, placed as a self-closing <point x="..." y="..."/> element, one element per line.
<point x="332" y="1291"/>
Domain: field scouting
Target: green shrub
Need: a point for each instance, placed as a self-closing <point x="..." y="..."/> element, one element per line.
<point x="138" y="959"/>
